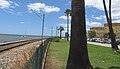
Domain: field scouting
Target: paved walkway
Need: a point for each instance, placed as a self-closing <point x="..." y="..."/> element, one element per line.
<point x="101" y="44"/>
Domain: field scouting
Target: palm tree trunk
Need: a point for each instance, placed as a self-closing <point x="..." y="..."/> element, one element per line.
<point x="60" y="34"/>
<point x="109" y="20"/>
<point x="78" y="53"/>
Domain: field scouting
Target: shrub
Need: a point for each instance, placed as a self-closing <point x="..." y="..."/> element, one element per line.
<point x="56" y="39"/>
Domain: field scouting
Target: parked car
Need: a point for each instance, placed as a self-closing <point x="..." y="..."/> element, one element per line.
<point x="88" y="39"/>
<point x="108" y="41"/>
<point x="100" y="41"/>
<point x="103" y="41"/>
<point x="91" y="39"/>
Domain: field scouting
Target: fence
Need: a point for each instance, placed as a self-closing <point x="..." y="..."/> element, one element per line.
<point x="39" y="56"/>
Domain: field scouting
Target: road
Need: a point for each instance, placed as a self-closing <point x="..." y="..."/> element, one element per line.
<point x="101" y="44"/>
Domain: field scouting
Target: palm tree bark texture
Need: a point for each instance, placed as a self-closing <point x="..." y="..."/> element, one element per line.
<point x="78" y="53"/>
<point x="109" y="20"/>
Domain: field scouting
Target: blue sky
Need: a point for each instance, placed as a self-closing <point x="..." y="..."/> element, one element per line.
<point x="16" y="16"/>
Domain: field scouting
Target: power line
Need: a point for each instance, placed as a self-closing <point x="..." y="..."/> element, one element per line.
<point x="36" y="14"/>
<point x="43" y="17"/>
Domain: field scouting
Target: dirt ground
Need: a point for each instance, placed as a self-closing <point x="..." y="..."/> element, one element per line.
<point x="52" y="63"/>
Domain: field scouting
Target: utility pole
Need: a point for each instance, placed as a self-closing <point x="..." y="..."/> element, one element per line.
<point x="43" y="26"/>
<point x="43" y="18"/>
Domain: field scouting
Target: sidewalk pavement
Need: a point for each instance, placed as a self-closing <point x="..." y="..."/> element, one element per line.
<point x="101" y="44"/>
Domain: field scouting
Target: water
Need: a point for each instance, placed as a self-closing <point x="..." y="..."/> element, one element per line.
<point x="9" y="38"/>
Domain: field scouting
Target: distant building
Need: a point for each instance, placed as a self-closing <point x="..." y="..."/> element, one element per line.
<point x="116" y="29"/>
<point x="100" y="31"/>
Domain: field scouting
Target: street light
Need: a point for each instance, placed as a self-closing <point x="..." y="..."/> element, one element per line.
<point x="67" y="12"/>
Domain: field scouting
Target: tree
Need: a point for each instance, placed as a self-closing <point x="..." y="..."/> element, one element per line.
<point x="109" y="20"/>
<point x="78" y="53"/>
<point x="67" y="12"/>
<point x="107" y="35"/>
<point x="61" y="29"/>
<point x="92" y="34"/>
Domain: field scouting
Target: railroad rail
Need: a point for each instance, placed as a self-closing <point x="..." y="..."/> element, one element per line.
<point x="10" y="45"/>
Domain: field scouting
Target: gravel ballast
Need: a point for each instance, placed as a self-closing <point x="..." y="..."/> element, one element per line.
<point x="16" y="57"/>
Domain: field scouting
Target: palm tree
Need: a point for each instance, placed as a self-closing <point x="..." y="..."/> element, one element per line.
<point x="78" y="53"/>
<point x="61" y="29"/>
<point x="67" y="12"/>
<point x="109" y="20"/>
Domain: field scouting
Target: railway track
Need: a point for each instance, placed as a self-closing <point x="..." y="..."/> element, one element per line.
<point x="7" y="46"/>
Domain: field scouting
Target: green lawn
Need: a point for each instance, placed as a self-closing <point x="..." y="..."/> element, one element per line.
<point x="103" y="57"/>
<point x="100" y="57"/>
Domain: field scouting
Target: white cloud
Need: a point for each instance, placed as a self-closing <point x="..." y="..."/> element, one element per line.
<point x="93" y="24"/>
<point x="10" y="11"/>
<point x="22" y="22"/>
<point x="16" y="4"/>
<point x="51" y="9"/>
<point x="95" y="3"/>
<point x="115" y="9"/>
<point x="42" y="7"/>
<point x="4" y="4"/>
<point x="64" y="17"/>
<point x="99" y="17"/>
<point x="116" y="21"/>
<point x="99" y="5"/>
<point x="19" y="13"/>
<point x="36" y="6"/>
<point x="116" y="15"/>
<point x="7" y="4"/>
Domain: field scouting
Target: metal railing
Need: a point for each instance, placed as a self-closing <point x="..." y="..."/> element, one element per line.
<point x="40" y="55"/>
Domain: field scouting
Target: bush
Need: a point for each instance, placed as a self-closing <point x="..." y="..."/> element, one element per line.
<point x="56" y="39"/>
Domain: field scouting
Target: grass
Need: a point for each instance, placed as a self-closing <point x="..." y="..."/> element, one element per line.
<point x="103" y="57"/>
<point x="100" y="57"/>
<point x="57" y="54"/>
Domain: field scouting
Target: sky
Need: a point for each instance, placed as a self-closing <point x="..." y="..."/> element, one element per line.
<point x="16" y="16"/>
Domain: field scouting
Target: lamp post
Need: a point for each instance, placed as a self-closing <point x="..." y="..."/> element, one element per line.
<point x="67" y="12"/>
